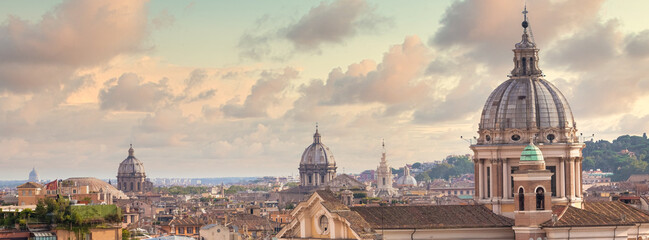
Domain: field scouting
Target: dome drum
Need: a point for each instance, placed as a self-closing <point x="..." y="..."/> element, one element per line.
<point x="516" y="136"/>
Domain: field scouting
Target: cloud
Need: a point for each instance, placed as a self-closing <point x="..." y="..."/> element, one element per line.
<point x="328" y="23"/>
<point x="637" y="45"/>
<point x="263" y="94"/>
<point x="196" y="78"/>
<point x="130" y="94"/>
<point x="163" y="20"/>
<point x="332" y="23"/>
<point x="588" y="48"/>
<point x="393" y="82"/>
<point x="487" y="30"/>
<point x="44" y="55"/>
<point x="632" y="124"/>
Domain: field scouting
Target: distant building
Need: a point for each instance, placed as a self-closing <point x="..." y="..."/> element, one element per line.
<point x="33" y="176"/>
<point x="86" y="190"/>
<point x="318" y="166"/>
<point x="29" y="193"/>
<point x="596" y="177"/>
<point x="131" y="177"/>
<point x="406" y="180"/>
<point x="318" y="171"/>
<point x="384" y="178"/>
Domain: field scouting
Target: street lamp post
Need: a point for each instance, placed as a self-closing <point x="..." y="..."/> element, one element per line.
<point x="470" y="140"/>
<point x="582" y="137"/>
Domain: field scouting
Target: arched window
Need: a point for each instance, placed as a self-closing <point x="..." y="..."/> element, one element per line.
<point x="138" y="186"/>
<point x="521" y="199"/>
<point x="540" y="199"/>
<point x="310" y="180"/>
<point x="532" y="65"/>
<point x="524" y="67"/>
<point x="131" y="186"/>
<point x="383" y="181"/>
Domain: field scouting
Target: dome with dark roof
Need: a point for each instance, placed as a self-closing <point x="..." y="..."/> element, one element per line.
<point x="526" y="105"/>
<point x="317" y="153"/>
<point x="131" y="166"/>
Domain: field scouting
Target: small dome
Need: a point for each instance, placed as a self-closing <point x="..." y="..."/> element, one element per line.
<point x="131" y="166"/>
<point x="406" y="179"/>
<point x="317" y="153"/>
<point x="532" y="153"/>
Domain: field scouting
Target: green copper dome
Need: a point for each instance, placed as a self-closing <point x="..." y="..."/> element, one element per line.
<point x="531" y="153"/>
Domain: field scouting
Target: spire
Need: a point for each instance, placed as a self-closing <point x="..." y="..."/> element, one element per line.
<point x="131" y="151"/>
<point x="525" y="23"/>
<point x="526" y="55"/>
<point x="316" y="136"/>
<point x="383" y="156"/>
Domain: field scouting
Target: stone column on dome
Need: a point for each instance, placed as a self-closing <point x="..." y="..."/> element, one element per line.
<point x="571" y="178"/>
<point x="491" y="177"/>
<point x="506" y="187"/>
<point x="561" y="191"/>
<point x="579" y="182"/>
<point x="481" y="181"/>
<point x="476" y="177"/>
<point x="499" y="178"/>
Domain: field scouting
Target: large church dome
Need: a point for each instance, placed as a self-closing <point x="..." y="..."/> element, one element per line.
<point x="131" y="166"/>
<point x="526" y="105"/>
<point x="317" y="153"/>
<point x="33" y="176"/>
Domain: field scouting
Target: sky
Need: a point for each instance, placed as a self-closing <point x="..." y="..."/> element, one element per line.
<point x="235" y="88"/>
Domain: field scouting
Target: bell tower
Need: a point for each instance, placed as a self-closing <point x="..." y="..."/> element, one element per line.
<point x="532" y="199"/>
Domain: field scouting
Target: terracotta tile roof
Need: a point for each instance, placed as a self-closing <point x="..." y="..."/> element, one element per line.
<point x="616" y="209"/>
<point x="440" y="216"/>
<point x="253" y="222"/>
<point x="189" y="221"/>
<point x="638" y="178"/>
<point x="331" y="202"/>
<point x="358" y="224"/>
<point x="569" y="216"/>
<point x="30" y="185"/>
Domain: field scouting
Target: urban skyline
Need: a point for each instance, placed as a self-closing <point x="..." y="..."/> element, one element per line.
<point x="216" y="89"/>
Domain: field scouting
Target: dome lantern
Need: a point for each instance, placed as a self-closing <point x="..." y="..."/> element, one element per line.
<point x="526" y="104"/>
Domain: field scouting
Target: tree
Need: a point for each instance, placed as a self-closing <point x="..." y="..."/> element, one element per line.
<point x="126" y="235"/>
<point x="416" y="165"/>
<point x="422" y="177"/>
<point x="234" y="189"/>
